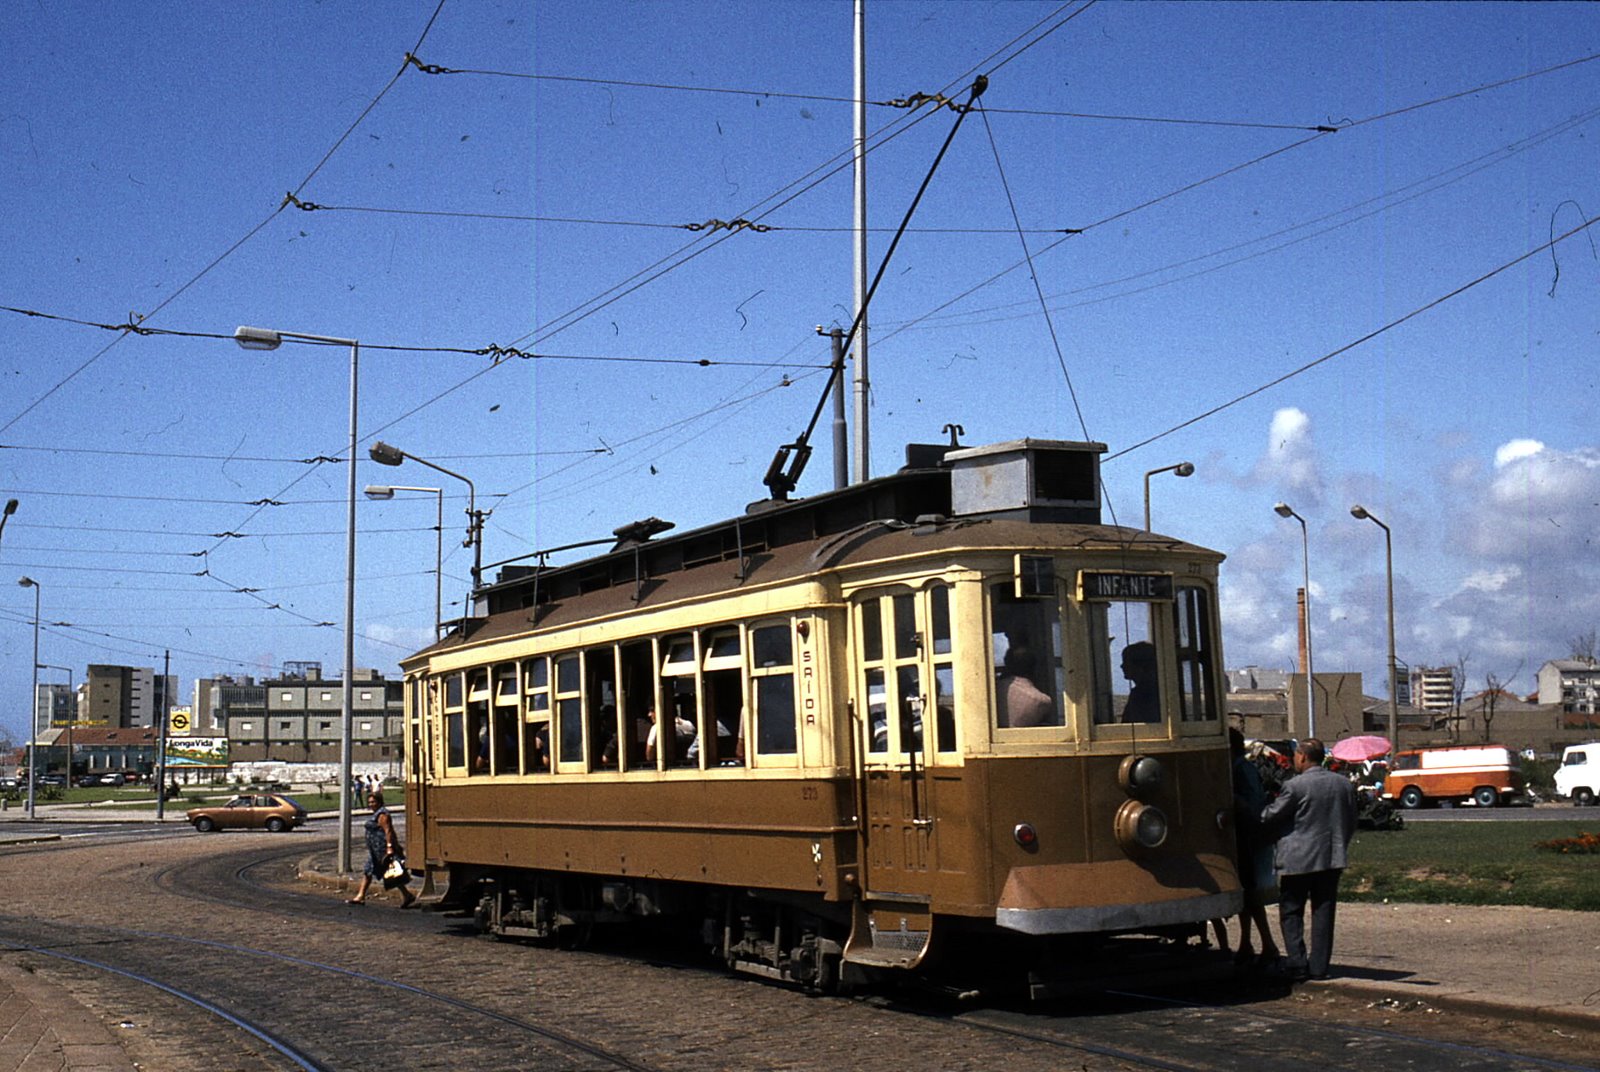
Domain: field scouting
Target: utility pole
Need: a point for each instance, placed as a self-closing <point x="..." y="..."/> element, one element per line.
<point x="161" y="739"/>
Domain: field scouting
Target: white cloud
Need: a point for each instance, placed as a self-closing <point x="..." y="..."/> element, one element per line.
<point x="1515" y="450"/>
<point x="1290" y="461"/>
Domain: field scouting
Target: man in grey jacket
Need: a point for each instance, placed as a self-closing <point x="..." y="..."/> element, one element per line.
<point x="1313" y="821"/>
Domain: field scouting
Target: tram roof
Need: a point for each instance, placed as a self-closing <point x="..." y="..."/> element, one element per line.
<point x="905" y="514"/>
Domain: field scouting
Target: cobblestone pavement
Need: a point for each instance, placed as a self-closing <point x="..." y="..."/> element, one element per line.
<point x="316" y="966"/>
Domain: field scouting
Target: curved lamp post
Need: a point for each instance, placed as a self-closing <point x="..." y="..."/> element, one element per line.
<point x="33" y="703"/>
<point x="267" y="339"/>
<point x="384" y="454"/>
<point x="1361" y="513"/>
<point x="1284" y="510"/>
<point x="386" y="491"/>
<point x="1181" y="469"/>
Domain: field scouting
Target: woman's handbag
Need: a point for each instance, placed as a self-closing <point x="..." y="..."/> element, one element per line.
<point x="394" y="872"/>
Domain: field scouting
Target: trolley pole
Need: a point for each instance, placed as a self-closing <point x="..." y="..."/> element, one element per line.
<point x="164" y="715"/>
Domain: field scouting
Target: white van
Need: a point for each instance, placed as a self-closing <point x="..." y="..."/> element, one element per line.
<point x="1578" y="776"/>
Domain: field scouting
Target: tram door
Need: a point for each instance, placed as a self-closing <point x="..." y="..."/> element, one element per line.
<point x="904" y="682"/>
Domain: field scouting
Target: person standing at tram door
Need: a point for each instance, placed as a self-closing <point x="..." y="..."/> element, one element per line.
<point x="1144" y="697"/>
<point x="1313" y="820"/>
<point x="1021" y="701"/>
<point x="1256" y="877"/>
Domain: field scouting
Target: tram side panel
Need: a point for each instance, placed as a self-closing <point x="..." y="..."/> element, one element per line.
<point x="769" y="833"/>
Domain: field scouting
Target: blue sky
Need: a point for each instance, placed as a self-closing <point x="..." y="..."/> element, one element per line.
<point x="538" y="199"/>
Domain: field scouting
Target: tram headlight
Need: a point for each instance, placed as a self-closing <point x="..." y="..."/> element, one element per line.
<point x="1140" y="775"/>
<point x="1140" y="826"/>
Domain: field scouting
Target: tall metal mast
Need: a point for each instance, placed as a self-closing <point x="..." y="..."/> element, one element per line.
<point x="863" y="461"/>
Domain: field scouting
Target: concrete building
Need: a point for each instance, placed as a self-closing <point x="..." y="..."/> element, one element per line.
<point x="210" y="700"/>
<point x="1433" y="688"/>
<point x="298" y="719"/>
<point x="126" y="696"/>
<point x="1573" y="685"/>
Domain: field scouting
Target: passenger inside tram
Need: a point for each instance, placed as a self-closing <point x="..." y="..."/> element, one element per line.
<point x="1020" y="701"/>
<point x="682" y="738"/>
<point x="1144" y="697"/>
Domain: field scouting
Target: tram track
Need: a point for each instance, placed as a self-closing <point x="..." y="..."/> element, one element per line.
<point x="229" y="925"/>
<point x="278" y="1039"/>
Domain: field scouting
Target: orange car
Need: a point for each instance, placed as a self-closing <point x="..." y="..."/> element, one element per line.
<point x="272" y="811"/>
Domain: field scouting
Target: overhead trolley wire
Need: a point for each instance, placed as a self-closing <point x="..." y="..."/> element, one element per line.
<point x="1299" y="143"/>
<point x="1353" y="344"/>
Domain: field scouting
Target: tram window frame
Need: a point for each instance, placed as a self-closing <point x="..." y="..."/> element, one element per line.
<point x="678" y="688"/>
<point x="1018" y="620"/>
<point x="568" y="730"/>
<point x="536" y="714"/>
<point x="478" y="736"/>
<point x="894" y="667"/>
<point x="505" y="744"/>
<point x="1104" y="710"/>
<point x="455" y="724"/>
<point x="1194" y="651"/>
<point x="599" y="695"/>
<point x="772" y="689"/>
<point x="941" y="632"/>
<point x="722" y="686"/>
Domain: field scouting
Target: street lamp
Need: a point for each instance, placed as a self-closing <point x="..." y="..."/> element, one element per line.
<point x="266" y="339"/>
<point x="386" y="491"/>
<point x="33" y="710"/>
<point x="10" y="508"/>
<point x="384" y="454"/>
<point x="1284" y="510"/>
<point x="72" y="711"/>
<point x="1360" y="513"/>
<point x="1181" y="469"/>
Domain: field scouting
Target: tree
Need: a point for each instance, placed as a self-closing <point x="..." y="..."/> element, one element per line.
<point x="1494" y="687"/>
<point x="1585" y="647"/>
<point x="1458" y="685"/>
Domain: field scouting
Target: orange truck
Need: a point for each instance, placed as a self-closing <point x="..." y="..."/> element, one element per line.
<point x="1484" y="774"/>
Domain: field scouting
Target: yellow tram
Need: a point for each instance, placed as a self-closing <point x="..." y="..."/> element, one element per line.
<point x="839" y="734"/>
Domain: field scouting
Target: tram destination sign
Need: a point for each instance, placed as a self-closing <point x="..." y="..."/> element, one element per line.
<point x="1150" y="587"/>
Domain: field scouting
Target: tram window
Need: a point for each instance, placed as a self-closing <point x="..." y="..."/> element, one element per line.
<point x="536" y="715"/>
<point x="680" y="699"/>
<point x="1124" y="659"/>
<point x="877" y="712"/>
<point x="871" y="631"/>
<point x="505" y="719"/>
<point x="909" y="678"/>
<point x="478" y="719"/>
<point x="1026" y="643"/>
<point x="772" y="684"/>
<point x="600" y="699"/>
<point x="907" y="642"/>
<point x="1197" y="701"/>
<point x="722" y="735"/>
<point x="944" y="674"/>
<point x="455" y="732"/>
<point x="569" y="710"/>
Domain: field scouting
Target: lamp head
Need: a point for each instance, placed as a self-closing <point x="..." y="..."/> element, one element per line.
<point x="11" y="507"/>
<point x="1283" y="510"/>
<point x="379" y="491"/>
<point x="1185" y="469"/>
<point x="27" y="582"/>
<point x="257" y="338"/>
<point x="1359" y="512"/>
<point x="384" y="454"/>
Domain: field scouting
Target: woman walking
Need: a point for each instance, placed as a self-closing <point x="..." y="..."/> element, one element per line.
<point x="383" y="848"/>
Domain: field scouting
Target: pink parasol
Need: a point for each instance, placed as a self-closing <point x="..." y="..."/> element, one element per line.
<point x="1360" y="749"/>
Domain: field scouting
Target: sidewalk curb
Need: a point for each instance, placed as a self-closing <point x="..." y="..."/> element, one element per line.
<point x="1466" y="1002"/>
